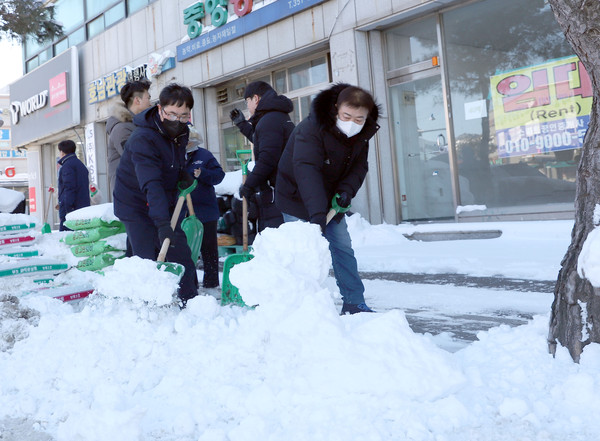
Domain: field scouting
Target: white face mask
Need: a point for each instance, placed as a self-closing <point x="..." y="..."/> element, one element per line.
<point x="349" y="128"/>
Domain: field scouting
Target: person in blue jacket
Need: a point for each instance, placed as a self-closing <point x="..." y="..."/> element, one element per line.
<point x="73" y="182"/>
<point x="145" y="193"/>
<point x="208" y="172"/>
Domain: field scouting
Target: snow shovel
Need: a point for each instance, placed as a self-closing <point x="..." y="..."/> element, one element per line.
<point x="230" y="293"/>
<point x="46" y="227"/>
<point x="172" y="267"/>
<point x="193" y="228"/>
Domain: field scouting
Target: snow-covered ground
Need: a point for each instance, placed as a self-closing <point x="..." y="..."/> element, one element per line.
<point x="126" y="364"/>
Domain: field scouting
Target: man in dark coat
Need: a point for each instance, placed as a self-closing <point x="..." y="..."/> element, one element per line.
<point x="73" y="182"/>
<point x="268" y="129"/>
<point x="208" y="172"/>
<point x="326" y="157"/>
<point x="146" y="191"/>
<point x="135" y="98"/>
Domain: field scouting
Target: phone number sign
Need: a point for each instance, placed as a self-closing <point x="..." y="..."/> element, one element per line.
<point x="541" y="108"/>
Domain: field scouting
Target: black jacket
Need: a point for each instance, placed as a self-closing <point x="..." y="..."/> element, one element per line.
<point x="320" y="161"/>
<point x="149" y="170"/>
<point x="268" y="129"/>
<point x="73" y="185"/>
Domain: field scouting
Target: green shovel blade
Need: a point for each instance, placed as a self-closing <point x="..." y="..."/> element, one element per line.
<point x="171" y="267"/>
<point x="46" y="229"/>
<point x="230" y="294"/>
<point x="194" y="230"/>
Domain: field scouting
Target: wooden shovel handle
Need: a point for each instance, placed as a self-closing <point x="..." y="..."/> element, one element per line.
<point x="166" y="243"/>
<point x="330" y="216"/>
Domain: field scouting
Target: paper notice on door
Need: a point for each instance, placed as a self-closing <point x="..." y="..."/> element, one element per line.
<point x="475" y="109"/>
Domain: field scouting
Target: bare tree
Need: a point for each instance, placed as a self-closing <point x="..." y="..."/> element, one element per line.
<point x="33" y="18"/>
<point x="575" y="317"/>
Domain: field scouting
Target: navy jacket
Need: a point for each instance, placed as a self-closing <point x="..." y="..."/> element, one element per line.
<point x="320" y="161"/>
<point x="268" y="129"/>
<point x="73" y="185"/>
<point x="204" y="198"/>
<point x="147" y="176"/>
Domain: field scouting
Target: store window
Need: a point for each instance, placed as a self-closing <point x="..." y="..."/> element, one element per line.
<point x="514" y="82"/>
<point x="300" y="82"/>
<point x="411" y="43"/>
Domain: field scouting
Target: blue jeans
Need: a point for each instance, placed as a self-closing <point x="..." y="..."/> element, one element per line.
<point x="345" y="267"/>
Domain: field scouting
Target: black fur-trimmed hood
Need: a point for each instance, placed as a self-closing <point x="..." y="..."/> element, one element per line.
<point x="325" y="112"/>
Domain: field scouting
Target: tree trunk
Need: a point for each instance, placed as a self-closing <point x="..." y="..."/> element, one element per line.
<point x="575" y="317"/>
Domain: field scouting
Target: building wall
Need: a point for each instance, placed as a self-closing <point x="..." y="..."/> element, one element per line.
<point x="332" y="24"/>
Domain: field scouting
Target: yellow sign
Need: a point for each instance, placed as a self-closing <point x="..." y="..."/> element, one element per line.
<point x="541" y="108"/>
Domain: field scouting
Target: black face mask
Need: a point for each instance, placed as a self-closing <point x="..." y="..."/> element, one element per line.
<point x="174" y="128"/>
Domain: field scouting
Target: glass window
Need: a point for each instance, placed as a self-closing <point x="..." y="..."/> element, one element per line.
<point x="412" y="43"/>
<point x="95" y="7"/>
<point x="114" y="14"/>
<point x="95" y="26"/>
<point x="32" y="47"/>
<point x="32" y="64"/>
<point x="233" y="140"/>
<point x="77" y="37"/>
<point x="513" y="82"/>
<point x="69" y="13"/>
<point x="61" y="46"/>
<point x="45" y="55"/>
<point x="135" y="5"/>
<point x="308" y="74"/>
<point x="280" y="81"/>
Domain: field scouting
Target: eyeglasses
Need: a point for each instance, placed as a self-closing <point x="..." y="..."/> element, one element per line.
<point x="175" y="117"/>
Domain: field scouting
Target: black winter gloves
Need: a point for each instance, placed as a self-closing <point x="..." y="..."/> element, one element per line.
<point x="166" y="232"/>
<point x="246" y="192"/>
<point x="344" y="200"/>
<point x="320" y="219"/>
<point x="237" y="116"/>
<point x="185" y="179"/>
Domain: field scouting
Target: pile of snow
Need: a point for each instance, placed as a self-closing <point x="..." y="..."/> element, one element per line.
<point x="9" y="199"/>
<point x="104" y="212"/>
<point x="136" y="368"/>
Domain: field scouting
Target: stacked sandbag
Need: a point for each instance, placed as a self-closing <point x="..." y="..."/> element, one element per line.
<point x="97" y="235"/>
<point x="16" y="235"/>
<point x="18" y="254"/>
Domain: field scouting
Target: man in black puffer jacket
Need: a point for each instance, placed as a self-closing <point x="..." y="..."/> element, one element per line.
<point x="326" y="156"/>
<point x="145" y="193"/>
<point x="268" y="129"/>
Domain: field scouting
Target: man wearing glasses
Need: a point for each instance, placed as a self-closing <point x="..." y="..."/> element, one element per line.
<point x="145" y="193"/>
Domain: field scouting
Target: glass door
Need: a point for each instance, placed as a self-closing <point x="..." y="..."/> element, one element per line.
<point x="421" y="147"/>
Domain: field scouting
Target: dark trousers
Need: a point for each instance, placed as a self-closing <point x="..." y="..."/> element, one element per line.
<point x="210" y="255"/>
<point x="143" y="236"/>
<point x="269" y="215"/>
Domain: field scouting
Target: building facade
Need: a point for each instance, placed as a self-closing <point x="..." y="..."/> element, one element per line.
<point x="13" y="162"/>
<point x="483" y="104"/>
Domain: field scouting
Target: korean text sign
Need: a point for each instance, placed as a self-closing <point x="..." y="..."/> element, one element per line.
<point x="541" y="108"/>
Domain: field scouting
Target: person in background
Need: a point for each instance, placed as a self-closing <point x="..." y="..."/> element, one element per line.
<point x="268" y="128"/>
<point x="208" y="172"/>
<point x="326" y="157"/>
<point x="73" y="182"/>
<point x="145" y="194"/>
<point x="135" y="98"/>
